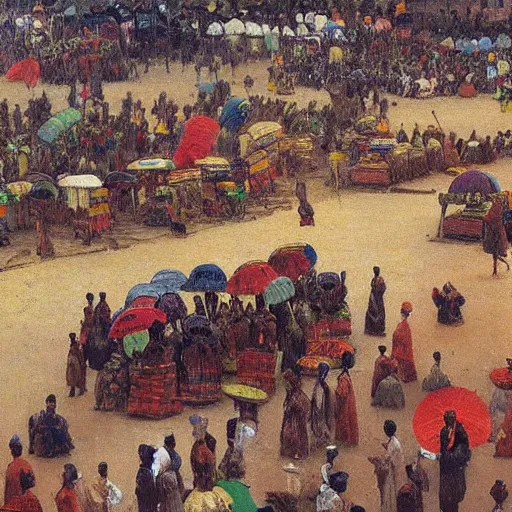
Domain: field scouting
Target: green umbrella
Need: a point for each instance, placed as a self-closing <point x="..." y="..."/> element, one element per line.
<point x="278" y="291"/>
<point x="58" y="124"/>
<point x="135" y="342"/>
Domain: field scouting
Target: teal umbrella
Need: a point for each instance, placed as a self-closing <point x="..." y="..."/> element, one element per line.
<point x="137" y="341"/>
<point x="58" y="124"/>
<point x="278" y="291"/>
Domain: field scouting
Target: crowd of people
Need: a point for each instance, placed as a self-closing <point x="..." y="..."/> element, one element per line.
<point x="325" y="420"/>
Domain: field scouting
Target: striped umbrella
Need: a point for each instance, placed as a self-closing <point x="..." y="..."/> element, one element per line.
<point x="278" y="291"/>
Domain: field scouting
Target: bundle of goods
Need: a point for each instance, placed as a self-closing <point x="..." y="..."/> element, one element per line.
<point x="99" y="211"/>
<point x="382" y="145"/>
<point x="257" y="369"/>
<point x="367" y="125"/>
<point x="245" y="393"/>
<point x="371" y="171"/>
<point x="337" y="326"/>
<point x="153" y="391"/>
<point x="327" y="349"/>
<point x="260" y="179"/>
<point x="309" y="364"/>
<point x="466" y="223"/>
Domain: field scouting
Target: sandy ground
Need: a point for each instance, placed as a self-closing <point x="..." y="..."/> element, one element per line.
<point x="354" y="231"/>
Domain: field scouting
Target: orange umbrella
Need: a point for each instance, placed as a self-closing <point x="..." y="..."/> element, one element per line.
<point x="502" y="378"/>
<point x="470" y="409"/>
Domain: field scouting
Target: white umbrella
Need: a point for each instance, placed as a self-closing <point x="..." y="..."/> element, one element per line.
<point x="288" y="32"/>
<point x="253" y="29"/>
<point x="275" y="30"/>
<point x="80" y="181"/>
<point x="234" y="27"/>
<point x="265" y="28"/>
<point x="215" y="29"/>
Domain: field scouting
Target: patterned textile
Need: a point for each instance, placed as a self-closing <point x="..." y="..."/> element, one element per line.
<point x="257" y="369"/>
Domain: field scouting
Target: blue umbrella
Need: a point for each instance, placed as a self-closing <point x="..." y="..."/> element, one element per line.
<point x="485" y="44"/>
<point x="206" y="278"/>
<point x="234" y="114"/>
<point x="145" y="290"/>
<point x="172" y="280"/>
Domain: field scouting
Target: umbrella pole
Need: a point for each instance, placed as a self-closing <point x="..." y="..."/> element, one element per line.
<point x="134" y="206"/>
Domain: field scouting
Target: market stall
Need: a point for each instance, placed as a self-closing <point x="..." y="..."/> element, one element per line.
<point x="85" y="195"/>
<point x="473" y="190"/>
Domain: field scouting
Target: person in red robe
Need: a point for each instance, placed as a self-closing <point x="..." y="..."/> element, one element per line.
<point x="347" y="429"/>
<point x="380" y="369"/>
<point x="67" y="499"/>
<point x="504" y="438"/>
<point x="14" y="470"/>
<point x="402" y="347"/>
<point x="26" y="501"/>
<point x="495" y="237"/>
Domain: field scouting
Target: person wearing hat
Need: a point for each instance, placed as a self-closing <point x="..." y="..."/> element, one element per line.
<point x="347" y="429"/>
<point x="49" y="432"/>
<point x="67" y="498"/>
<point x="322" y="409"/>
<point x="402" y="350"/>
<point x="14" y="469"/>
<point x="296" y="413"/>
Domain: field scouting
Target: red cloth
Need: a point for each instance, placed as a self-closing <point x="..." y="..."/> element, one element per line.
<point x="402" y="352"/>
<point x="467" y="90"/>
<point x="347" y="429"/>
<point x="199" y="138"/>
<point x="504" y="443"/>
<point x="12" y="478"/>
<point x="67" y="501"/>
<point x="28" y="502"/>
<point x="380" y="372"/>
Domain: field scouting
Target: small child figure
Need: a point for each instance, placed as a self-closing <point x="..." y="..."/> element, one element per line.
<point x="499" y="493"/>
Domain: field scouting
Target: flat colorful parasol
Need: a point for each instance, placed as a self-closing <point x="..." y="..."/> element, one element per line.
<point x="144" y="301"/>
<point x="252" y="278"/>
<point x="172" y="280"/>
<point x="278" y="291"/>
<point x="206" y="278"/>
<point x="27" y="70"/>
<point x="291" y="264"/>
<point x="502" y="378"/>
<point x="135" y="320"/>
<point x="470" y="409"/>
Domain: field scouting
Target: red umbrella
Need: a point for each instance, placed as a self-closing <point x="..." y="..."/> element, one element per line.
<point x="291" y="264"/>
<point x="134" y="320"/>
<point x="470" y="409"/>
<point x="252" y="278"/>
<point x="27" y="70"/>
<point x="143" y="302"/>
<point x="502" y="378"/>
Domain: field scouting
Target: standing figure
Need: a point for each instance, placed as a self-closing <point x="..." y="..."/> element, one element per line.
<point x="329" y="498"/>
<point x="409" y="497"/>
<point x="75" y="371"/>
<point x="67" y="498"/>
<point x="402" y="347"/>
<point x="86" y="326"/>
<point x="145" y="487"/>
<point x="305" y="210"/>
<point x="389" y="392"/>
<point x="202" y="456"/>
<point x="322" y="410"/>
<point x="390" y="469"/>
<point x="495" y="237"/>
<point x="504" y="437"/>
<point x="44" y="245"/>
<point x="499" y="493"/>
<point x="380" y="369"/>
<point x="168" y="457"/>
<point x="448" y="303"/>
<point x="48" y="432"/>
<point x="347" y="429"/>
<point x="436" y="379"/>
<point x="375" y="322"/>
<point x="498" y="407"/>
<point x="98" y="348"/>
<point x="103" y="494"/>
<point x="27" y="501"/>
<point x="455" y="454"/>
<point x="17" y="466"/>
<point x="296" y="410"/>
